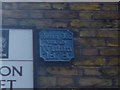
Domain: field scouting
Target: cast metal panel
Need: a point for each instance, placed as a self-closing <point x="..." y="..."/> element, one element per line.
<point x="56" y="45"/>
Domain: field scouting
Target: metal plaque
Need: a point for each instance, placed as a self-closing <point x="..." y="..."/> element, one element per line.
<point x="56" y="45"/>
<point x="4" y="38"/>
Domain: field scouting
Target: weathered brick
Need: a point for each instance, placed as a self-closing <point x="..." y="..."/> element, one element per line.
<point x="95" y="82"/>
<point x="9" y="5"/>
<point x="113" y="61"/>
<point x="87" y="42"/>
<point x="89" y="51"/>
<point x="106" y="15"/>
<point x="9" y="22"/>
<point x="14" y="13"/>
<point x="65" y="82"/>
<point x="35" y="22"/>
<point x="85" y="6"/>
<point x="113" y="43"/>
<point x="107" y="23"/>
<point x="59" y="24"/>
<point x="87" y="33"/>
<point x="34" y="5"/>
<point x="60" y="14"/>
<point x="109" y="51"/>
<point x="92" y="71"/>
<point x="109" y="71"/>
<point x="76" y="23"/>
<point x="107" y="33"/>
<point x="117" y="82"/>
<point x="62" y="71"/>
<point x="110" y="6"/>
<point x="90" y="61"/>
<point x="86" y="15"/>
<point x="59" y="6"/>
<point x="46" y="81"/>
<point x="36" y="14"/>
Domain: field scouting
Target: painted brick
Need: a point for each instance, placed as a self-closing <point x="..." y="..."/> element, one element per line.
<point x="62" y="71"/>
<point x="14" y="13"/>
<point x="106" y="15"/>
<point x="59" y="6"/>
<point x="60" y="14"/>
<point x="85" y="6"/>
<point x="34" y="6"/>
<point x="107" y="33"/>
<point x="90" y="51"/>
<point x="46" y="81"/>
<point x="63" y="82"/>
<point x="95" y="82"/>
<point x="109" y="51"/>
<point x="95" y="42"/>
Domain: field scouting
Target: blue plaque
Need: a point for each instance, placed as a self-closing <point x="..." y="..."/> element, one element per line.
<point x="4" y="38"/>
<point x="56" y="45"/>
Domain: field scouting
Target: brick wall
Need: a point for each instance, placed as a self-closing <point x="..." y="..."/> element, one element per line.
<point x="95" y="28"/>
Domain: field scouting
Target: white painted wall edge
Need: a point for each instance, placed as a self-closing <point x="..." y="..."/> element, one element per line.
<point x="59" y="0"/>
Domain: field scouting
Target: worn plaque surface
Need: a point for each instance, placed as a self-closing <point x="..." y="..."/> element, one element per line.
<point x="4" y="38"/>
<point x="56" y="45"/>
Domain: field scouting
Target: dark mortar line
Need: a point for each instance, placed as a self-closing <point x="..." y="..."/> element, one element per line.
<point x="66" y="19"/>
